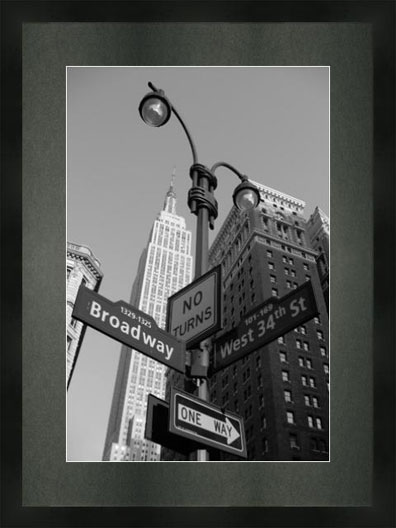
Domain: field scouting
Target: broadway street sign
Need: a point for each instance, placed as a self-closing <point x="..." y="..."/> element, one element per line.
<point x="206" y="423"/>
<point x="194" y="312"/>
<point x="129" y="326"/>
<point x="273" y="318"/>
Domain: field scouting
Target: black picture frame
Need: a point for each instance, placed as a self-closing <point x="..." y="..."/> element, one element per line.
<point x="380" y="16"/>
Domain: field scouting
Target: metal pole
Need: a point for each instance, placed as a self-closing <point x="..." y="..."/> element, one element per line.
<point x="201" y="267"/>
<point x="201" y="254"/>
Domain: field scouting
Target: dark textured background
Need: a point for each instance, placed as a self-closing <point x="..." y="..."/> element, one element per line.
<point x="47" y="479"/>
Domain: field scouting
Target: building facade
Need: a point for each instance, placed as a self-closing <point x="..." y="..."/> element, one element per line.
<point x="281" y="390"/>
<point x="82" y="268"/>
<point x="165" y="267"/>
<point x="318" y="228"/>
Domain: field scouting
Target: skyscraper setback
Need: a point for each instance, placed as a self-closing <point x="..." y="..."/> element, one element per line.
<point x="165" y="267"/>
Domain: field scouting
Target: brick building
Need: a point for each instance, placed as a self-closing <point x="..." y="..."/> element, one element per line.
<point x="282" y="389"/>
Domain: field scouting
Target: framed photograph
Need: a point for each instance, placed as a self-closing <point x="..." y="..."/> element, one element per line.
<point x="354" y="41"/>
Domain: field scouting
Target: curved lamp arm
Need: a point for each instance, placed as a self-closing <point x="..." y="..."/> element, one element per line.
<point x="242" y="177"/>
<point x="190" y="140"/>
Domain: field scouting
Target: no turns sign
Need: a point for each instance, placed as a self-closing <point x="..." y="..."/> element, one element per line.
<point x="194" y="312"/>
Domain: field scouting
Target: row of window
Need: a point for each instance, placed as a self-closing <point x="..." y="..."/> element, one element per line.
<point x="289" y="284"/>
<point x="313" y="422"/>
<point x="285" y="260"/>
<point x="304" y="362"/>
<point x="305" y="380"/>
<point x="309" y="400"/>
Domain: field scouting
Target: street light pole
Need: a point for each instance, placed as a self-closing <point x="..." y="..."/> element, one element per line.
<point x="199" y="180"/>
<point x="155" y="110"/>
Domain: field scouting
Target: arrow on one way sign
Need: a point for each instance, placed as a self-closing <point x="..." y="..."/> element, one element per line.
<point x="209" y="423"/>
<point x="206" y="423"/>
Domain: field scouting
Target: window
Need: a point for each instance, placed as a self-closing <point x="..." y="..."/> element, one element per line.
<point x="317" y="320"/>
<point x="301" y="361"/>
<point x="288" y="284"/>
<point x="286" y="271"/>
<point x="261" y="400"/>
<point x="298" y="343"/>
<point x="271" y="265"/>
<point x="283" y="357"/>
<point x="293" y="273"/>
<point x="246" y="375"/>
<point x="284" y="259"/>
<point x="319" y="334"/>
<point x="288" y="396"/>
<point x="285" y="375"/>
<point x="304" y="380"/>
<point x="308" y="363"/>
<point x="312" y="382"/>
<point x="322" y="351"/>
<point x="263" y="422"/>
<point x="315" y="401"/>
<point x="248" y="412"/>
<point x="290" y="417"/>
<point x="323" y="446"/>
<point x="269" y="253"/>
<point x="307" y="400"/>
<point x="294" y="441"/>
<point x="306" y="345"/>
<point x="281" y="340"/>
<point x="265" y="222"/>
<point x="319" y="423"/>
<point x="310" y="421"/>
<point x="291" y="261"/>
<point x="326" y="368"/>
<point x="272" y="278"/>
<point x="303" y="330"/>
<point x="307" y="278"/>
<point x="306" y="267"/>
<point x="274" y="292"/>
<point x="247" y="393"/>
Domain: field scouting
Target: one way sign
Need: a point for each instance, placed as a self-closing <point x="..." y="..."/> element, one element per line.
<point x="206" y="423"/>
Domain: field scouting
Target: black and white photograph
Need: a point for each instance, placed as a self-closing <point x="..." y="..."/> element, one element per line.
<point x="197" y="264"/>
<point x="171" y="295"/>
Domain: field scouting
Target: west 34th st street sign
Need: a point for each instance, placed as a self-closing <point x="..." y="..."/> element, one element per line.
<point x="206" y="423"/>
<point x="265" y="323"/>
<point x="129" y="326"/>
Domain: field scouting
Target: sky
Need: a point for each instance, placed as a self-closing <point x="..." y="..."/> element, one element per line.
<point x="271" y="123"/>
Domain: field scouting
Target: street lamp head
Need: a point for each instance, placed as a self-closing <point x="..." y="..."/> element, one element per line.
<point x="246" y="196"/>
<point x="155" y="109"/>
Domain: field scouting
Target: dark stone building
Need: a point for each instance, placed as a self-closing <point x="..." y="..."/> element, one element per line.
<point x="282" y="389"/>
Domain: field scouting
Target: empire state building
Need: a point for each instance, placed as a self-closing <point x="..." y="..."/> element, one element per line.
<point x="165" y="267"/>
